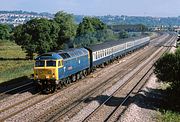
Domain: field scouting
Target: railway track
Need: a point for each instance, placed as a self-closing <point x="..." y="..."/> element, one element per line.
<point x="17" y="89"/>
<point x="118" y="111"/>
<point x="67" y="105"/>
<point x="22" y="108"/>
<point x="130" y="88"/>
<point x="40" y="99"/>
<point x="33" y="99"/>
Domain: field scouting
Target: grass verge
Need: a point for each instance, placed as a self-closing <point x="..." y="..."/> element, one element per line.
<point x="169" y="116"/>
<point x="10" y="65"/>
<point x="170" y="111"/>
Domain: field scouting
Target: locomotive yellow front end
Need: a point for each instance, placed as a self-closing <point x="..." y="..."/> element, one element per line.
<point x="46" y="72"/>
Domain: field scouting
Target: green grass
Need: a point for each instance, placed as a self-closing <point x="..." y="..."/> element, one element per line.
<point x="169" y="116"/>
<point x="170" y="109"/>
<point x="10" y="68"/>
<point x="10" y="50"/>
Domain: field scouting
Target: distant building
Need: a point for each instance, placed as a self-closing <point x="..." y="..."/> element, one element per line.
<point x="15" y="19"/>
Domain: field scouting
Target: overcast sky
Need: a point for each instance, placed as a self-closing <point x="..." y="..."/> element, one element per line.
<point x="157" y="8"/>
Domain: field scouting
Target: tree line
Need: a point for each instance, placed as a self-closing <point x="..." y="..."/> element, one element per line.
<point x="61" y="32"/>
<point x="129" y="27"/>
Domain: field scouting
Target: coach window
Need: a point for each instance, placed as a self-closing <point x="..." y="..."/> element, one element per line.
<point x="93" y="56"/>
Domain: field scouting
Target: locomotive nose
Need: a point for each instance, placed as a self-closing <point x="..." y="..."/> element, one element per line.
<point x="45" y="74"/>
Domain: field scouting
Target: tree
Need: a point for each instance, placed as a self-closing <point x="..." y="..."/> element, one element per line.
<point x="67" y="27"/>
<point x="4" y="31"/>
<point x="37" y="36"/>
<point x="91" y="31"/>
<point x="90" y="25"/>
<point x="85" y="27"/>
<point x="123" y="34"/>
<point x="167" y="68"/>
<point x="164" y="66"/>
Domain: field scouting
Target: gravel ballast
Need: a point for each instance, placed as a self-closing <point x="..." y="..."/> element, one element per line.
<point x="135" y="111"/>
<point x="142" y="110"/>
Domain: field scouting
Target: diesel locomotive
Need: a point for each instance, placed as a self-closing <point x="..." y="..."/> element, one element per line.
<point x="55" y="69"/>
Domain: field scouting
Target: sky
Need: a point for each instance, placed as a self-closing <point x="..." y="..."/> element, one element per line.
<point x="155" y="8"/>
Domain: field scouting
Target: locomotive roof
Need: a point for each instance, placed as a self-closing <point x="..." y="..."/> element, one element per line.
<point x="109" y="44"/>
<point x="63" y="54"/>
<point x="49" y="56"/>
<point x="73" y="52"/>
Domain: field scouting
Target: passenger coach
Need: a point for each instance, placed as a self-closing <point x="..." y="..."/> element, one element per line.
<point x="104" y="53"/>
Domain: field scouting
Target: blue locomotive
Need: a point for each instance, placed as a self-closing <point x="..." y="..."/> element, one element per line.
<point x="54" y="69"/>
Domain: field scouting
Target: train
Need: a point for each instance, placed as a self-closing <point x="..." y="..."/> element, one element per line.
<point x="53" y="70"/>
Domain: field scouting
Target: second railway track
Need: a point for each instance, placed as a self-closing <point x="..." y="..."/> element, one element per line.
<point x="129" y="89"/>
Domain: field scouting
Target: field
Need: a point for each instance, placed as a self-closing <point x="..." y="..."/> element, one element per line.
<point x="12" y="62"/>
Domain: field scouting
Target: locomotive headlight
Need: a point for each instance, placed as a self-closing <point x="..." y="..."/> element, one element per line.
<point x="36" y="76"/>
<point x="53" y="75"/>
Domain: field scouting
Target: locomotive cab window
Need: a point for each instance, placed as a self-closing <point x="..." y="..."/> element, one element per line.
<point x="50" y="63"/>
<point x="40" y="64"/>
<point x="60" y="63"/>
